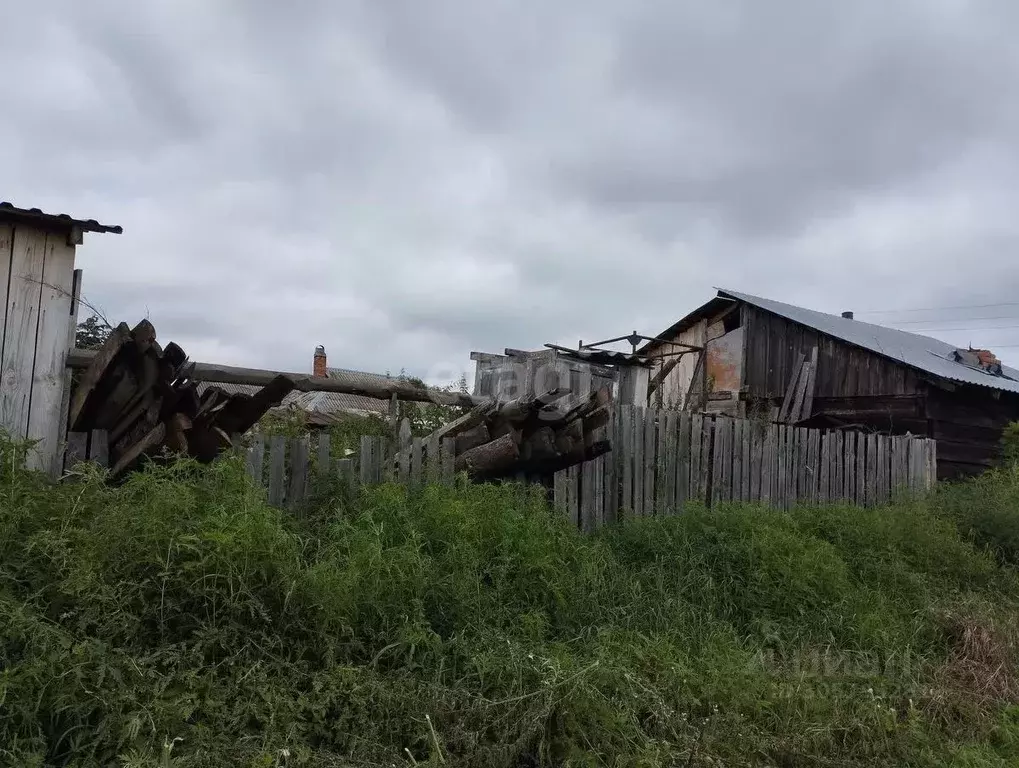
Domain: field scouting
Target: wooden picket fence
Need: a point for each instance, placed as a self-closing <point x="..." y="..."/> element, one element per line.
<point x="660" y="462"/>
<point x="663" y="460"/>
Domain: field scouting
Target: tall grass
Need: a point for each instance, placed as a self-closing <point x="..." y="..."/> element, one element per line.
<point x="177" y="620"/>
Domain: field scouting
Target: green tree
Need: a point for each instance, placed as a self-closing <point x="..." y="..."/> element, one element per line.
<point x="91" y="333"/>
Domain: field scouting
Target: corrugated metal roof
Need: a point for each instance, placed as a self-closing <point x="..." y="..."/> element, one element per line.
<point x="11" y="212"/>
<point x="924" y="353"/>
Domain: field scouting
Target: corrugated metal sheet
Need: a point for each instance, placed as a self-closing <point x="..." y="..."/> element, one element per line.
<point x="11" y="212"/>
<point x="924" y="353"/>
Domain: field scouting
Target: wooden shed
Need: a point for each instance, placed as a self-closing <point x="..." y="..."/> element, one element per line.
<point x="40" y="287"/>
<point x="801" y="366"/>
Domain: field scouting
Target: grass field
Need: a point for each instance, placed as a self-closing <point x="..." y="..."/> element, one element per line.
<point x="179" y="621"/>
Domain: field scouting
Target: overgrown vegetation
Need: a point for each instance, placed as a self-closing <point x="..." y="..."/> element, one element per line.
<point x="179" y="621"/>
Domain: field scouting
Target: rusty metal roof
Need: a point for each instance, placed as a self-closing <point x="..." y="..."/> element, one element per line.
<point x="10" y="212"/>
<point x="923" y="353"/>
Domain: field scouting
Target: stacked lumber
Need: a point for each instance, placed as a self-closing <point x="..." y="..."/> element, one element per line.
<point x="535" y="435"/>
<point x="146" y="400"/>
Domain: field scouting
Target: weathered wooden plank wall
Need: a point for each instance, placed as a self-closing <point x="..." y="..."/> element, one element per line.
<point x="666" y="459"/>
<point x="36" y="330"/>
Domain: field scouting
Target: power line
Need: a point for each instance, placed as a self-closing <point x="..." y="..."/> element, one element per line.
<point x="937" y="309"/>
<point x="971" y="328"/>
<point x="954" y="319"/>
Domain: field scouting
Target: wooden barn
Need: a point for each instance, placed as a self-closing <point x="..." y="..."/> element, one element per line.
<point x="744" y="355"/>
<point x="40" y="287"/>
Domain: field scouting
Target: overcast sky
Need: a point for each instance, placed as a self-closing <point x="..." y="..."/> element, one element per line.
<point x="405" y="181"/>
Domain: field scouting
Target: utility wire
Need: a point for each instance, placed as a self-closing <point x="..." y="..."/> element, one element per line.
<point x="969" y="328"/>
<point x="954" y="319"/>
<point x="938" y="309"/>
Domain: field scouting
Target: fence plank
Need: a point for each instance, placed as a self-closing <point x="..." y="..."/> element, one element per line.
<point x="574" y="495"/>
<point x="403" y="452"/>
<point x="612" y="466"/>
<point x="298" y="488"/>
<point x="721" y="466"/>
<point x="416" y="474"/>
<point x="781" y="498"/>
<point x="814" y="464"/>
<point x="769" y="461"/>
<point x="76" y="450"/>
<point x="659" y="462"/>
<point x="365" y="460"/>
<point x="839" y="467"/>
<point x="586" y="506"/>
<point x="99" y="447"/>
<point x="848" y="468"/>
<point x="446" y="451"/>
<point x="345" y="470"/>
<point x="650" y="426"/>
<point x="903" y="463"/>
<point x="800" y="464"/>
<point x="872" y="470"/>
<point x="433" y="461"/>
<point x="277" y="466"/>
<point x="792" y="468"/>
<point x="256" y="455"/>
<point x="625" y="431"/>
<point x="559" y="491"/>
<point x="746" y="492"/>
<point x="670" y="428"/>
<point x="683" y="461"/>
<point x="824" y="469"/>
<point x="599" y="491"/>
<point x="932" y="464"/>
<point x="323" y="458"/>
<point x="861" y="469"/>
<point x="696" y="445"/>
<point x="638" y="460"/>
<point x="757" y="430"/>
<point x="736" y="473"/>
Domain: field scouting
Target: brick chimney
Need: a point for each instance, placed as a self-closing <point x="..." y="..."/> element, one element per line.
<point x="319" y="367"/>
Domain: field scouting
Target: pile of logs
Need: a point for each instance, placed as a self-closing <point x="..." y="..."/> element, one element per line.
<point x="143" y="396"/>
<point x="533" y="436"/>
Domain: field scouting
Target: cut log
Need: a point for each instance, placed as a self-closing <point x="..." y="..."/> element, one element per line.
<point x="539" y="445"/>
<point x="471" y="438"/>
<point x="569" y="436"/>
<point x="152" y="440"/>
<point x="491" y="457"/>
<point x="597" y="419"/>
<point x="522" y="407"/>
<point x="588" y="404"/>
<point x="94" y="370"/>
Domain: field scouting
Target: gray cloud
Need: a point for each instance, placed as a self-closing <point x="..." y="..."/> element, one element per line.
<point x="404" y="182"/>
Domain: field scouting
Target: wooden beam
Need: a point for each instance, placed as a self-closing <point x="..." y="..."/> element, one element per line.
<point x="304" y="382"/>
